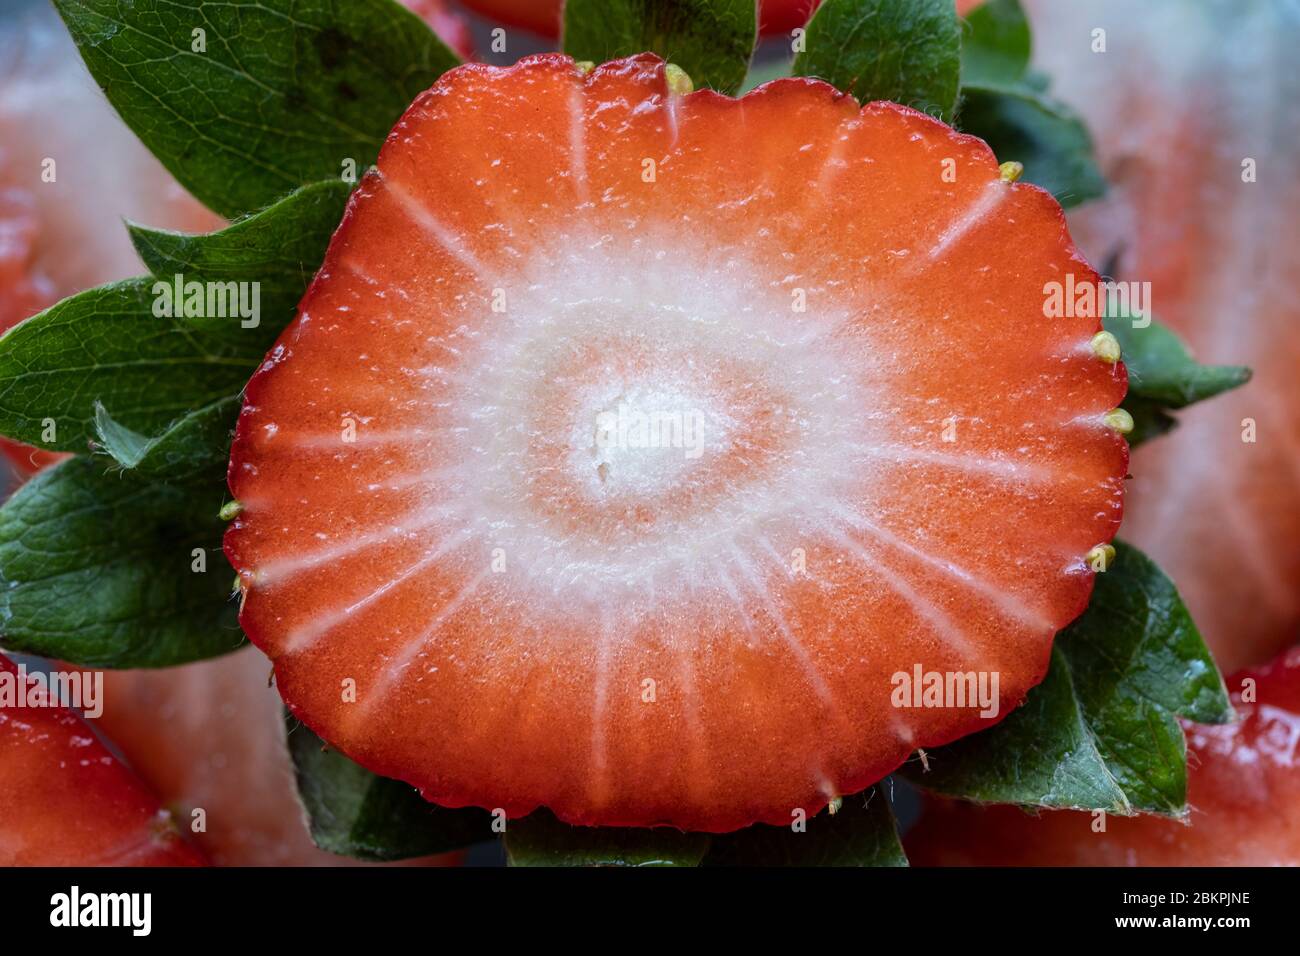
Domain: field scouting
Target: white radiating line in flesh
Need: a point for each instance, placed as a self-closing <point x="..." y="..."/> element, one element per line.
<point x="578" y="140"/>
<point x="451" y="242"/>
<point x="833" y="165"/>
<point x="671" y="105"/>
<point x="413" y="479"/>
<point x="796" y="647"/>
<point x="901" y="730"/>
<point x="599" y="707"/>
<point x="976" y="465"/>
<point x="275" y="572"/>
<point x="733" y="594"/>
<point x="307" y="636"/>
<point x="361" y="273"/>
<point x="396" y="669"/>
<point x="701" y="774"/>
<point x="335" y="442"/>
<point x="992" y="196"/>
<point x="776" y="556"/>
<point x="944" y="626"/>
<point x="1012" y="607"/>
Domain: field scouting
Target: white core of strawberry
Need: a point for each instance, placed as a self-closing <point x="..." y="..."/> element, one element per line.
<point x="631" y="418"/>
<point x="639" y="422"/>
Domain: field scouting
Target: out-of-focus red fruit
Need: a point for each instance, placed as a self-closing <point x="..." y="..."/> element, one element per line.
<point x="63" y="144"/>
<point x="1182" y="121"/>
<point x="61" y="231"/>
<point x="1243" y="789"/>
<point x="782" y="16"/>
<point x="449" y="25"/>
<point x="543" y="16"/>
<point x="23" y="291"/>
<point x="210" y="735"/>
<point x="70" y="171"/>
<point x="537" y="16"/>
<point x="65" y="800"/>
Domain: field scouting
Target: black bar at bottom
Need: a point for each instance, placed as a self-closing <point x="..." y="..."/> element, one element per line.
<point x="455" y="907"/>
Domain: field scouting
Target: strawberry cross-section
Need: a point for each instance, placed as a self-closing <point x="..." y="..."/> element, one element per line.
<point x="628" y="443"/>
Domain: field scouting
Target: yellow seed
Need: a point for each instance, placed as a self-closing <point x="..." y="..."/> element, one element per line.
<point x="1119" y="420"/>
<point x="238" y="585"/>
<point x="834" y="805"/>
<point x="1100" y="558"/>
<point x="1010" y="171"/>
<point x="584" y="66"/>
<point x="230" y="510"/>
<point x="1106" y="347"/>
<point x="679" y="82"/>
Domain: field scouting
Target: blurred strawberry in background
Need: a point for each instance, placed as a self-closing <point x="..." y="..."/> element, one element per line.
<point x="24" y="290"/>
<point x="65" y="800"/>
<point x="81" y="170"/>
<point x="449" y="25"/>
<point x="1187" y="99"/>
<point x="210" y="734"/>
<point x="70" y="171"/>
<point x="1243" y="789"/>
<point x="543" y="16"/>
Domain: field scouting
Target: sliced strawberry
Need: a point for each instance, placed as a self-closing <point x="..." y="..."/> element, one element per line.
<point x="537" y="16"/>
<point x="70" y="171"/>
<point x="210" y="735"/>
<point x="543" y="16"/>
<point x="1243" y="789"/>
<point x="66" y="801"/>
<point x="24" y="290"/>
<point x="534" y="610"/>
<point x="51" y="110"/>
<point x="1176" y="112"/>
<point x="449" y="25"/>
<point x="782" y="16"/>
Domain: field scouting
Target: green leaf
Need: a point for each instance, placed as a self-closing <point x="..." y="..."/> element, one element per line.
<point x="711" y="40"/>
<point x="106" y="344"/>
<point x="1162" y="375"/>
<point x="353" y="812"/>
<point x="995" y="44"/>
<point x="1161" y="370"/>
<point x="279" y="248"/>
<point x="539" y="839"/>
<point x="1150" y="420"/>
<point x="1023" y="125"/>
<point x="907" y="51"/>
<point x="124" y="446"/>
<point x="245" y="100"/>
<point x="861" y="833"/>
<point x="1101" y="731"/>
<point x="1042" y="754"/>
<point x="97" y="565"/>
<point x="194" y="450"/>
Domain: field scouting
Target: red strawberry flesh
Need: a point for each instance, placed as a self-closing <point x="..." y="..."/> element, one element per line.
<point x="66" y="801"/>
<point x="534" y="607"/>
